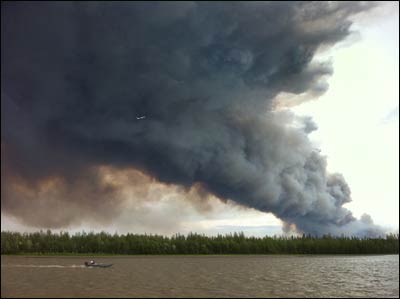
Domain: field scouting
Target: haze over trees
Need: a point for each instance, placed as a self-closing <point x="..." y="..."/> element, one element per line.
<point x="237" y="243"/>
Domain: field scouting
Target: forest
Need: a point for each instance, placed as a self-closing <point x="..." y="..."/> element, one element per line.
<point x="104" y="243"/>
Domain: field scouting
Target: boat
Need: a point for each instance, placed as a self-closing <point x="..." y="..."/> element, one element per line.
<point x="99" y="265"/>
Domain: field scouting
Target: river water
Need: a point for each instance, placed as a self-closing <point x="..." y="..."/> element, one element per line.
<point x="202" y="276"/>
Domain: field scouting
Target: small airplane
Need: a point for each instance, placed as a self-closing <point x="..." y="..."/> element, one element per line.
<point x="140" y="117"/>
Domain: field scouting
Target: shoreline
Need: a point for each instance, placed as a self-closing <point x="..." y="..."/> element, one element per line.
<point x="28" y="255"/>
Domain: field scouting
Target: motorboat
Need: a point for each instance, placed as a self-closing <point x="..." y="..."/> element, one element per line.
<point x="94" y="264"/>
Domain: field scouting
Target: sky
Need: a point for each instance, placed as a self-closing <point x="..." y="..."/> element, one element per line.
<point x="265" y="118"/>
<point x="366" y="74"/>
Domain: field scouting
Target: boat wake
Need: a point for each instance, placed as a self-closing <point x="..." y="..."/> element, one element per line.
<point x="43" y="266"/>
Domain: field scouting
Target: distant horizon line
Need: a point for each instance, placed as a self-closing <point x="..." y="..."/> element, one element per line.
<point x="226" y="234"/>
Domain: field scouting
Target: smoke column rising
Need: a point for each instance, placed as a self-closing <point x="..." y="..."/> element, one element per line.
<point x="77" y="79"/>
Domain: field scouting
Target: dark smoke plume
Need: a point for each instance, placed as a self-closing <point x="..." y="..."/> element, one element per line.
<point x="184" y="92"/>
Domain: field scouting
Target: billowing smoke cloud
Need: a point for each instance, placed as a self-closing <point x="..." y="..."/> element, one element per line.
<point x="184" y="92"/>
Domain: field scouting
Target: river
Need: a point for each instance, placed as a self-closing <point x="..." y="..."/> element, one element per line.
<point x="202" y="276"/>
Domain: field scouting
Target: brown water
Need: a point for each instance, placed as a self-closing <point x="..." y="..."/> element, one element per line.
<point x="202" y="276"/>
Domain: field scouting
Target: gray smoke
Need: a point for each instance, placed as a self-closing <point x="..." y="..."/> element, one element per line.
<point x="77" y="76"/>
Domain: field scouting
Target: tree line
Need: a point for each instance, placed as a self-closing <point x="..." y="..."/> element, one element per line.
<point x="237" y="243"/>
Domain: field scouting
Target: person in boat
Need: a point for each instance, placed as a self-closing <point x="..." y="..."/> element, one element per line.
<point x="89" y="263"/>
